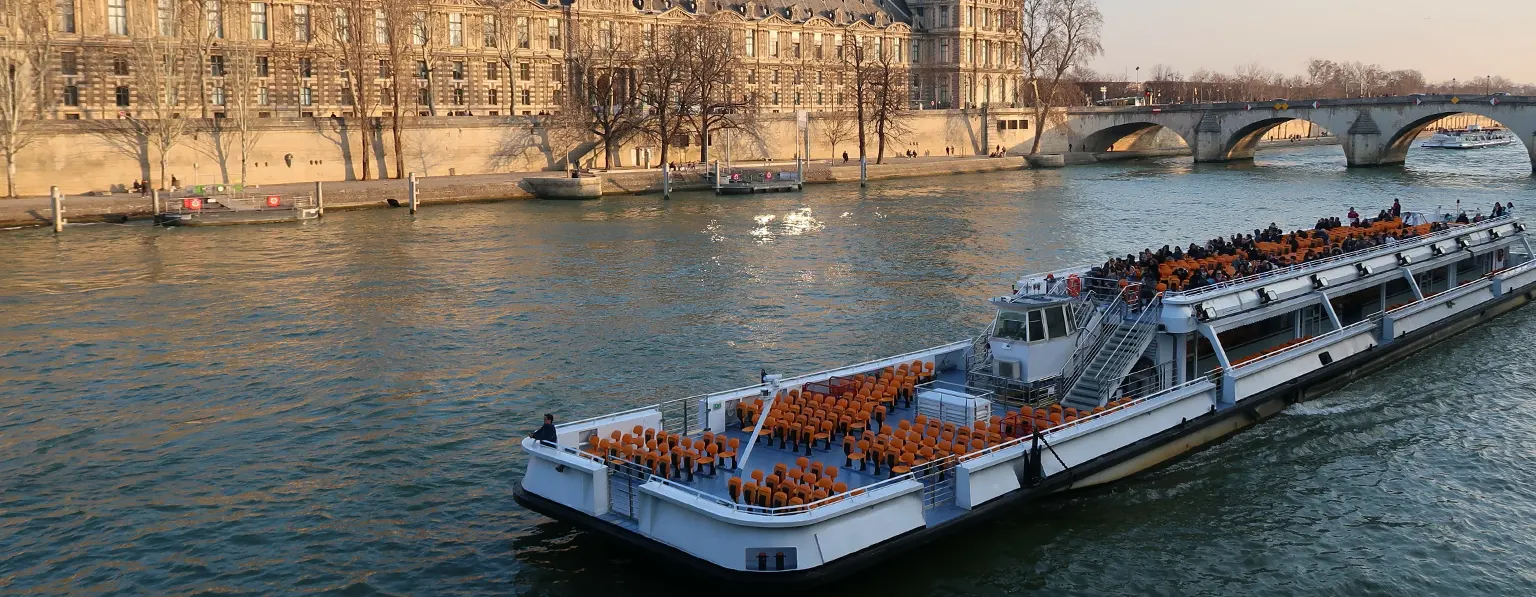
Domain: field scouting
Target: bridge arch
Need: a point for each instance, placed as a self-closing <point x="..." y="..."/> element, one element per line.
<point x="1403" y="139"/>
<point x="1127" y="136"/>
<point x="1244" y="142"/>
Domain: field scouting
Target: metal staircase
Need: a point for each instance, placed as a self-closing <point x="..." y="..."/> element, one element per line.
<point x="1096" y="369"/>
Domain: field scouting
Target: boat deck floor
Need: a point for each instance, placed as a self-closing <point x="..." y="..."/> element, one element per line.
<point x="768" y="453"/>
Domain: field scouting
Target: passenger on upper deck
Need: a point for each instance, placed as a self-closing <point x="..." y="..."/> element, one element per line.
<point x="1223" y="259"/>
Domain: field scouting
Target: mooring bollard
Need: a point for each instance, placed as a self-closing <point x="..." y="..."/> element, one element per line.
<point x="155" y="196"/>
<point x="410" y="188"/>
<point x="319" y="198"/>
<point x="58" y="208"/>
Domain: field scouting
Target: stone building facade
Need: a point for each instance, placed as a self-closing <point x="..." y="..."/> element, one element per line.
<point x="504" y="57"/>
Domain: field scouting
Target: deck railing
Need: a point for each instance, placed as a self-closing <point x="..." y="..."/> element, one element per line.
<point x="1322" y="264"/>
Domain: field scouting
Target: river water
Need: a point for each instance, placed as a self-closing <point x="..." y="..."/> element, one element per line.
<point x="333" y="407"/>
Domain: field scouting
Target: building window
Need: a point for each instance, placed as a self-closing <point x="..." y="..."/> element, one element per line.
<point x="490" y="97"/>
<point x="117" y="21"/>
<point x="259" y="20"/>
<point x="421" y="69"/>
<point x="380" y="27"/>
<point x="458" y="70"/>
<point x="423" y="97"/>
<point x="492" y="71"/>
<point x="775" y="98"/>
<point x="419" y="28"/>
<point x="773" y="44"/>
<point x="71" y="95"/>
<point x="522" y="32"/>
<point x="306" y="97"/>
<point x="262" y="96"/>
<point x="301" y="22"/>
<point x="342" y="28"/>
<point x="773" y="77"/>
<point x="554" y="72"/>
<point x="751" y="46"/>
<point x="306" y="68"/>
<point x="69" y="63"/>
<point x="488" y="31"/>
<point x="214" y="11"/>
<point x="122" y="96"/>
<point x="66" y="16"/>
<point x="558" y="97"/>
<point x="216" y="66"/>
<point x="524" y="71"/>
<point x="165" y="14"/>
<point x="943" y="16"/>
<point x="346" y="96"/>
<point x="218" y="95"/>
<point x="384" y="71"/>
<point x="120" y="66"/>
<point x="263" y="66"/>
<point x="458" y="96"/>
<point x="751" y="75"/>
<point x="554" y="34"/>
<point x="456" y="29"/>
<point x="527" y="97"/>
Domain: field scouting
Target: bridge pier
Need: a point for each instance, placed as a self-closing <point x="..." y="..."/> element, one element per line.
<point x="1209" y="142"/>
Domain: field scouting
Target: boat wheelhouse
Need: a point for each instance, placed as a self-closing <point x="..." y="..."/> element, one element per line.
<point x="1078" y="380"/>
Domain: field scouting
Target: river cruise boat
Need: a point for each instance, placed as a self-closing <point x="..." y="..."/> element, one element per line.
<point x="1472" y="137"/>
<point x="1080" y="379"/>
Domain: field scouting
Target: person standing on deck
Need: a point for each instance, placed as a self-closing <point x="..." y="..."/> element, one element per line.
<point x="546" y="433"/>
<point x="1397" y="208"/>
<point x="1354" y="216"/>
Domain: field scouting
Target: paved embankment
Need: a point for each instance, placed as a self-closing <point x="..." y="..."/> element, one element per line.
<point x="36" y="211"/>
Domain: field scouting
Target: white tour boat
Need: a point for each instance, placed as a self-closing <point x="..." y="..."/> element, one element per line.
<point x="1078" y="381"/>
<point x="1472" y="137"/>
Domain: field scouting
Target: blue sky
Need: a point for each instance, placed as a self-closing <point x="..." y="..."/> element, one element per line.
<point x="1496" y="37"/>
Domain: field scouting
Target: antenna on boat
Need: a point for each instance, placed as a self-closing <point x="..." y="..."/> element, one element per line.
<point x="770" y="391"/>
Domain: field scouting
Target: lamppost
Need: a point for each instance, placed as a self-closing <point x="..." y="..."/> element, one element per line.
<point x="1104" y="92"/>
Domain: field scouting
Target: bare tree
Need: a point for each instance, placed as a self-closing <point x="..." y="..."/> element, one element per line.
<point x="1063" y="34"/>
<point x="25" y="93"/>
<point x="602" y="103"/>
<point x="350" y="30"/>
<point x="713" y="64"/>
<point x="239" y="112"/>
<point x="159" y="75"/>
<point x="666" y="89"/>
<point x="834" y="127"/>
<point x="399" y="20"/>
<point x="858" y="64"/>
<point x="1038" y="36"/>
<point x="507" y="44"/>
<point x="428" y="47"/>
<point x="887" y="81"/>
<point x="200" y="22"/>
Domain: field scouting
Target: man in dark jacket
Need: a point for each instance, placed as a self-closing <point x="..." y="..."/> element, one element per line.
<point x="547" y="432"/>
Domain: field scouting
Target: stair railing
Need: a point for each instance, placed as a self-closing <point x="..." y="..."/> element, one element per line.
<point x="1121" y="358"/>
<point x="1089" y="347"/>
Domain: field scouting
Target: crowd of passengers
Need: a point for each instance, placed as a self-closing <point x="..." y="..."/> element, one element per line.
<point x="1222" y="259"/>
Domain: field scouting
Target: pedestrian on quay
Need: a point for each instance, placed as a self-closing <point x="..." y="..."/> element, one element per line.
<point x="136" y="188"/>
<point x="845" y="157"/>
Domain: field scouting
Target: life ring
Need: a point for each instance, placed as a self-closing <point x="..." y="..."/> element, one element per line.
<point x="1074" y="285"/>
<point x="274" y="200"/>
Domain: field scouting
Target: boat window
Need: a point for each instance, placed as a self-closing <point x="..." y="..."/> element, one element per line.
<point x="1010" y="325"/>
<point x="1055" y="322"/>
<point x="1036" y="326"/>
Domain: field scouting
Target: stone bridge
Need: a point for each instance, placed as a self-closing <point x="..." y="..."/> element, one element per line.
<point x="1374" y="131"/>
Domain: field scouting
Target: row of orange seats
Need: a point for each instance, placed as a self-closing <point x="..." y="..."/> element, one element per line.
<point x="666" y="455"/>
<point x="1282" y="346"/>
<point x="806" y="483"/>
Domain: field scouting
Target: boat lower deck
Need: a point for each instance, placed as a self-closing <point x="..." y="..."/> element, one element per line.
<point x="770" y="453"/>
